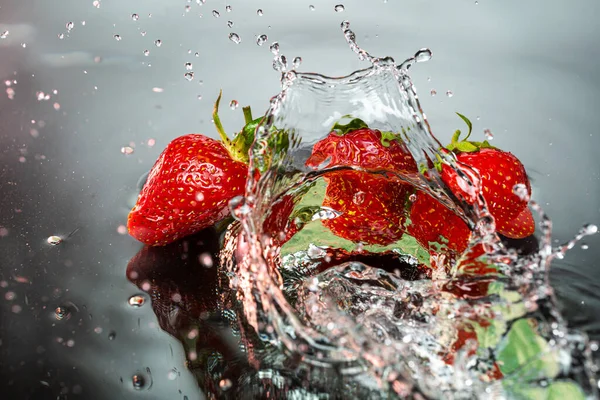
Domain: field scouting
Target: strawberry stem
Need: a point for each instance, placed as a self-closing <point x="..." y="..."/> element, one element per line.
<point x="218" y="124"/>
<point x="247" y="114"/>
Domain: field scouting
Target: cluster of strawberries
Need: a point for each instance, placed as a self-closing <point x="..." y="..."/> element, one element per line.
<point x="194" y="178"/>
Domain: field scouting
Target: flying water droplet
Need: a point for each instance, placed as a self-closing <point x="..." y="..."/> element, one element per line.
<point x="584" y="246"/>
<point x="137" y="300"/>
<point x="233" y="104"/>
<point x="4" y="35"/>
<point x="311" y="7"/>
<point x="112" y="335"/>
<point x="521" y="191"/>
<point x="158" y="42"/>
<point x="54" y="240"/>
<point x="69" y="26"/>
<point x="280" y="63"/>
<point x="449" y="93"/>
<point x="259" y="12"/>
<point x="230" y="24"/>
<point x="216" y="14"/>
<point x="96" y="3"/>
<point x="433" y="92"/>
<point x="261" y="39"/>
<point x="189" y="76"/>
<point x="146" y="52"/>
<point x="423" y="55"/>
<point x="235" y="38"/>
<point x="117" y="37"/>
<point x="339" y="8"/>
<point x="589" y="229"/>
<point x="228" y="8"/>
<point x="274" y="48"/>
<point x="135" y="17"/>
<point x="296" y="63"/>
<point x="127" y="150"/>
<point x="488" y="134"/>
<point x="188" y="66"/>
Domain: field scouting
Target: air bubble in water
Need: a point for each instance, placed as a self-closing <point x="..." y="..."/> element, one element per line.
<point x="233" y="104"/>
<point x="339" y="8"/>
<point x="135" y="17"/>
<point x="54" y="240"/>
<point x="138" y="381"/>
<point x="261" y="39"/>
<point x="137" y="300"/>
<point x="117" y="37"/>
<point x="158" y="42"/>
<point x="216" y="14"/>
<point x="225" y="384"/>
<point x="296" y="63"/>
<point x="449" y="93"/>
<point x="189" y="76"/>
<point x="423" y="55"/>
<point x="488" y="134"/>
<point x="235" y="38"/>
<point x="259" y="12"/>
<point x="188" y="66"/>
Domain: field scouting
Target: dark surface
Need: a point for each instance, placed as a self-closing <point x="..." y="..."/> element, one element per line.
<point x="528" y="69"/>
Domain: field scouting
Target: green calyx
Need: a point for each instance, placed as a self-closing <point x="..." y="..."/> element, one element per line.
<point x="356" y="123"/>
<point x="238" y="147"/>
<point x="458" y="145"/>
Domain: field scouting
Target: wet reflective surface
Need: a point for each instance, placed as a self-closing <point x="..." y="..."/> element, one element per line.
<point x="70" y="164"/>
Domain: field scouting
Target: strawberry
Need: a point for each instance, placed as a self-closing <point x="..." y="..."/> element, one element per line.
<point x="372" y="206"/>
<point x="278" y="223"/>
<point x="432" y="223"/>
<point x="354" y="144"/>
<point x="499" y="171"/>
<point x="190" y="185"/>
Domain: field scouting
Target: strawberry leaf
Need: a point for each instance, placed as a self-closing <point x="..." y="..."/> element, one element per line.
<point x="354" y="124"/>
<point x="466" y="147"/>
<point x="468" y="122"/>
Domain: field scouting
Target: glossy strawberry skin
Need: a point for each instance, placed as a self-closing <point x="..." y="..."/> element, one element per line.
<point x="372" y="207"/>
<point x="433" y="223"/>
<point x="188" y="189"/>
<point x="500" y="171"/>
<point x="361" y="148"/>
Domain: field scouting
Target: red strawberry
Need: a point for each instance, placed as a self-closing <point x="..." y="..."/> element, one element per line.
<point x="372" y="207"/>
<point x="433" y="224"/>
<point x="499" y="171"/>
<point x="348" y="145"/>
<point x="278" y="224"/>
<point x="190" y="185"/>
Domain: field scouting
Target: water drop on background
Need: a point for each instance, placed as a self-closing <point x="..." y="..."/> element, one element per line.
<point x="311" y="7"/>
<point x="137" y="300"/>
<point x="233" y="104"/>
<point x="274" y="48"/>
<point x="230" y="24"/>
<point x="423" y="55"/>
<point x="261" y="39"/>
<point x="296" y="63"/>
<point x="135" y="17"/>
<point x="259" y="12"/>
<point x="225" y="384"/>
<point x="70" y="26"/>
<point x="228" y="8"/>
<point x="158" y="42"/>
<point x="127" y="150"/>
<point x="589" y="229"/>
<point x="54" y="240"/>
<point x="488" y="134"/>
<point x="433" y="92"/>
<point x="117" y="37"/>
<point x="112" y="335"/>
<point x="235" y="38"/>
<point x="188" y="66"/>
<point x="4" y="35"/>
<point x="339" y="8"/>
<point x="216" y="14"/>
<point x="146" y="53"/>
<point x="189" y="76"/>
<point x="449" y="93"/>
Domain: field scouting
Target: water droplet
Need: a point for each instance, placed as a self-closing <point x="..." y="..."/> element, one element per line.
<point x="4" y="35"/>
<point x="228" y="8"/>
<point x="274" y="48"/>
<point x="488" y="134"/>
<point x="296" y="63"/>
<point x="188" y="66"/>
<point x="521" y="191"/>
<point x="359" y="197"/>
<point x="216" y="14"/>
<point x="339" y="8"/>
<point x="449" y="93"/>
<point x="589" y="229"/>
<point x="280" y="63"/>
<point x="127" y="150"/>
<point x="138" y="381"/>
<point x="146" y="53"/>
<point x="423" y="55"/>
<point x="69" y="26"/>
<point x="206" y="260"/>
<point x="117" y="37"/>
<point x="158" y="42"/>
<point x="594" y="346"/>
<point x="135" y="17"/>
<point x="112" y="335"/>
<point x="230" y="24"/>
<point x="235" y="38"/>
<point x="62" y="312"/>
<point x="137" y="300"/>
<point x="233" y="104"/>
<point x="261" y="39"/>
<point x="199" y="97"/>
<point x="433" y="92"/>
<point x="412" y="197"/>
<point x="143" y="33"/>
<point x="240" y="206"/>
<point x="259" y="12"/>
<point x="584" y="246"/>
<point x="54" y="240"/>
<point x="172" y="375"/>
<point x="311" y="7"/>
<point x="189" y="76"/>
<point x="225" y="384"/>
<point x="96" y="3"/>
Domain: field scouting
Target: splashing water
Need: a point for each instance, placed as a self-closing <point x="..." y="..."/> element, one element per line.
<point x="388" y="320"/>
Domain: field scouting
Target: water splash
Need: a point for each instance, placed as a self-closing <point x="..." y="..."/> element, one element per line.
<point x="483" y="325"/>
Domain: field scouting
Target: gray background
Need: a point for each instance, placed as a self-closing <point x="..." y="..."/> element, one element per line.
<point x="528" y="69"/>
